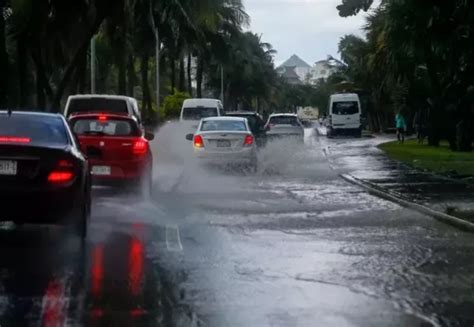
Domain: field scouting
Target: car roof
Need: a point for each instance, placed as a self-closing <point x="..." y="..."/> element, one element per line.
<point x="284" y="115"/>
<point x="225" y="118"/>
<point x="200" y="102"/>
<point x="249" y="113"/>
<point x="109" y="115"/>
<point x="101" y="96"/>
<point x="31" y="113"/>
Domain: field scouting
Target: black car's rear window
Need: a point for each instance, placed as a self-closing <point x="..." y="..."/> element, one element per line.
<point x="97" y="105"/>
<point x="109" y="127"/>
<point x="284" y="120"/>
<point x="252" y="120"/>
<point x="34" y="129"/>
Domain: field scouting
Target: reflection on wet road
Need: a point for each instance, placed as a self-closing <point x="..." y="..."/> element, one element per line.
<point x="292" y="246"/>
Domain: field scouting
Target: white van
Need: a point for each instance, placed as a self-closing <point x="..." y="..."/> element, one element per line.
<point x="344" y="115"/>
<point x="93" y="103"/>
<point x="194" y="110"/>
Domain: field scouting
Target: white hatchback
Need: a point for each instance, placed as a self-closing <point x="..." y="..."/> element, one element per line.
<point x="225" y="141"/>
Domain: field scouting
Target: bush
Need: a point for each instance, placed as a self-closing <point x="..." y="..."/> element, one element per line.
<point x="172" y="104"/>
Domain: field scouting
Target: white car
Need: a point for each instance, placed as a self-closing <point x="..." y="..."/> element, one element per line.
<point x="225" y="141"/>
<point x="281" y="126"/>
<point x="97" y="103"/>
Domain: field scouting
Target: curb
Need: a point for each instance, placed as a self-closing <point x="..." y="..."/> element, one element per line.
<point x="440" y="216"/>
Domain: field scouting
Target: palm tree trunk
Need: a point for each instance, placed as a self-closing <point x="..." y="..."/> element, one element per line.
<point x="190" y="81"/>
<point x="131" y="75"/>
<point x="3" y="66"/>
<point x="182" y="82"/>
<point x="22" y="69"/>
<point x="199" y="77"/>
<point x="40" y="97"/>
<point x="122" y="74"/>
<point x="173" y="75"/>
<point x="146" y="106"/>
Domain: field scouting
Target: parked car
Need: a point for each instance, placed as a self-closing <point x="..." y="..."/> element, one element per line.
<point x="344" y="115"/>
<point x="117" y="149"/>
<point x="285" y="126"/>
<point x="256" y="124"/>
<point x="225" y="141"/>
<point x="44" y="177"/>
<point x="87" y="103"/>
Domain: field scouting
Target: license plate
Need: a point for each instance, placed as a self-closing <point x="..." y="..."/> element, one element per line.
<point x="8" y="167"/>
<point x="223" y="143"/>
<point x="101" y="170"/>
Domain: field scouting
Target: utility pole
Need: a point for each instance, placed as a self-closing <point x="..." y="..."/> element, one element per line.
<point x="157" y="54"/>
<point x="154" y="25"/>
<point x="93" y="64"/>
<point x="222" y="85"/>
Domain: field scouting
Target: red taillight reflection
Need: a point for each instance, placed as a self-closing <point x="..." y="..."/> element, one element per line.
<point x="60" y="176"/>
<point x="97" y="268"/>
<point x="248" y="140"/>
<point x="14" y="139"/>
<point x="140" y="147"/>
<point x="54" y="305"/>
<point x="135" y="266"/>
<point x="198" y="141"/>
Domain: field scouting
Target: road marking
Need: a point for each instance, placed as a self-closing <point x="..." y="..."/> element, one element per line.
<point x="173" y="239"/>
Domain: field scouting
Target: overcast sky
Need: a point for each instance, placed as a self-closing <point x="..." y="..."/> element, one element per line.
<point x="309" y="28"/>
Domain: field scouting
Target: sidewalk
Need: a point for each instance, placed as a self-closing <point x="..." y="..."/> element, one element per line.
<point x="362" y="160"/>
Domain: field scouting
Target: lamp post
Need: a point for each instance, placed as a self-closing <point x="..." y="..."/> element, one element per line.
<point x="93" y="64"/>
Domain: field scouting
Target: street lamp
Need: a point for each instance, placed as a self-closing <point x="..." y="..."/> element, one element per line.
<point x="93" y="64"/>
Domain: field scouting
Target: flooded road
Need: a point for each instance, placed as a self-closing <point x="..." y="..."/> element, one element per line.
<point x="293" y="245"/>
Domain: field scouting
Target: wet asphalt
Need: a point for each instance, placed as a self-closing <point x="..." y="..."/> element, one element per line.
<point x="293" y="245"/>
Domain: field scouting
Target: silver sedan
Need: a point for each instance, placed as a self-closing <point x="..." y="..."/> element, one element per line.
<point x="285" y="126"/>
<point x="225" y="141"/>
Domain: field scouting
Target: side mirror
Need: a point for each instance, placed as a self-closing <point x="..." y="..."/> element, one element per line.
<point x="189" y="137"/>
<point x="149" y="136"/>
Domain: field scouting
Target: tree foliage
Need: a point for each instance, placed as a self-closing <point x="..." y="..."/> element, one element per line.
<point x="44" y="50"/>
<point x="417" y="55"/>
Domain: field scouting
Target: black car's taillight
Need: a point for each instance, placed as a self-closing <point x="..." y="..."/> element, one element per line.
<point x="63" y="172"/>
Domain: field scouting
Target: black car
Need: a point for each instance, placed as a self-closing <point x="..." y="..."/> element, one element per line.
<point x="256" y="124"/>
<point x="44" y="177"/>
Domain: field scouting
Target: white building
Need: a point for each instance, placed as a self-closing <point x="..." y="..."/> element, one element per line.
<point x="321" y="70"/>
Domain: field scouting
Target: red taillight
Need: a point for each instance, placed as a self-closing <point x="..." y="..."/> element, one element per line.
<point x="62" y="173"/>
<point x="102" y="118"/>
<point x="248" y="140"/>
<point x="14" y="139"/>
<point x="60" y="176"/>
<point x="140" y="147"/>
<point x="198" y="141"/>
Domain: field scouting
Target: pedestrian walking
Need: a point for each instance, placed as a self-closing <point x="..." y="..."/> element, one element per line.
<point x="401" y="127"/>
